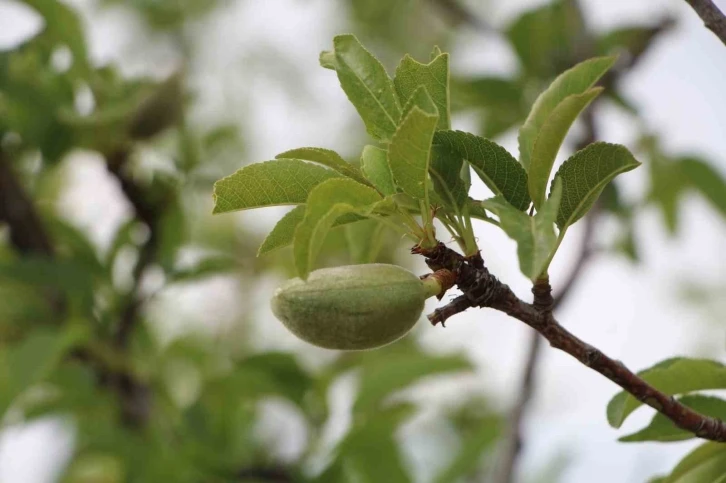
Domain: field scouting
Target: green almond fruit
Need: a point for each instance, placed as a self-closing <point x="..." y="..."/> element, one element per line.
<point x="353" y="307"/>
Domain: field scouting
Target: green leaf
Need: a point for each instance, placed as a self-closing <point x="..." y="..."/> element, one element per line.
<point x="662" y="429"/>
<point x="672" y="376"/>
<point x="576" y="80"/>
<point x="33" y="359"/>
<point x="535" y="235"/>
<point x="284" y="231"/>
<point x="397" y="369"/>
<point x="327" y="60"/>
<point x="421" y="99"/>
<point x="709" y="182"/>
<point x="549" y="139"/>
<point x="585" y="175"/>
<point x="473" y="447"/>
<point x="374" y="163"/>
<point x="291" y="381"/>
<point x="434" y="76"/>
<point x="364" y="240"/>
<point x="409" y="153"/>
<point x="279" y="182"/>
<point x="326" y="157"/>
<point x="367" y="86"/>
<point x="370" y="453"/>
<point x="327" y="202"/>
<point x="445" y="170"/>
<point x="705" y="464"/>
<point x="494" y="165"/>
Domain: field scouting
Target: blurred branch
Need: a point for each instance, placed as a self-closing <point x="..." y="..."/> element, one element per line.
<point x="482" y="289"/>
<point x="27" y="233"/>
<point x="135" y="395"/>
<point x="712" y="17"/>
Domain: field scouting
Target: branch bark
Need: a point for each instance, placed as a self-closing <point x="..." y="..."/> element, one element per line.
<point x="712" y="17"/>
<point x="482" y="289"/>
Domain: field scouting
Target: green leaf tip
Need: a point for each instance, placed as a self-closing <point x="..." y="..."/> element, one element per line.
<point x="411" y="75"/>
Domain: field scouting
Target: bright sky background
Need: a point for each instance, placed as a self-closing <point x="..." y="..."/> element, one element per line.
<point x="632" y="313"/>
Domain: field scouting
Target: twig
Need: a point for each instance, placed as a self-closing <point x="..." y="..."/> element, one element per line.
<point x="712" y="17"/>
<point x="485" y="290"/>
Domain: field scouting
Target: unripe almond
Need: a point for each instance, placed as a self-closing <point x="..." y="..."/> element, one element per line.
<point x="353" y="307"/>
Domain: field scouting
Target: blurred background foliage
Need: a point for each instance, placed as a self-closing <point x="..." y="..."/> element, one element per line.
<point x="87" y="334"/>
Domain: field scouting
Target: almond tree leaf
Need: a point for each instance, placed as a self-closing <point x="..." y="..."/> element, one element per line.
<point x="445" y="170"/>
<point x="662" y="429"/>
<point x="374" y="163"/>
<point x="705" y="464"/>
<point x="576" y="80"/>
<point x="421" y="99"/>
<point x="434" y="76"/>
<point x="367" y="86"/>
<point x="326" y="157"/>
<point x="326" y="203"/>
<point x="410" y="151"/>
<point x="549" y="139"/>
<point x="364" y="240"/>
<point x="492" y="163"/>
<point x="585" y="175"/>
<point x="284" y="231"/>
<point x="327" y="60"/>
<point x="673" y="376"/>
<point x="279" y="182"/>
<point x="535" y="235"/>
<point x="709" y="182"/>
<point x="477" y="440"/>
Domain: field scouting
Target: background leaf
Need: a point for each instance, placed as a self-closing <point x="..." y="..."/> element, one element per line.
<point x="709" y="182"/>
<point x="279" y="182"/>
<point x="409" y="153"/>
<point x="367" y="86"/>
<point x="705" y="464"/>
<point x="434" y="76"/>
<point x="672" y="376"/>
<point x="576" y="80"/>
<point x="494" y="165"/>
<point x="585" y="175"/>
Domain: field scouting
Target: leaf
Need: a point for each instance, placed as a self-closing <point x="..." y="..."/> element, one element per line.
<point x="494" y="165"/>
<point x="585" y="175"/>
<point x="31" y="360"/>
<point x="326" y="203"/>
<point x="364" y="240"/>
<point x="662" y="429"/>
<point x="472" y="449"/>
<point x="421" y="99"/>
<point x="535" y="235"/>
<point x="410" y="151"/>
<point x="326" y="157"/>
<point x="709" y="182"/>
<point x="576" y="80"/>
<point x="434" y="76"/>
<point x="385" y="374"/>
<point x="367" y="86"/>
<point x="672" y="376"/>
<point x="705" y="464"/>
<point x="279" y="182"/>
<point x="374" y="163"/>
<point x="290" y="379"/>
<point x="445" y="170"/>
<point x="549" y="139"/>
<point x="370" y="453"/>
<point x="284" y="231"/>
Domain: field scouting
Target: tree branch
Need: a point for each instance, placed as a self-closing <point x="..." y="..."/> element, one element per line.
<point x="482" y="289"/>
<point x="712" y="17"/>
